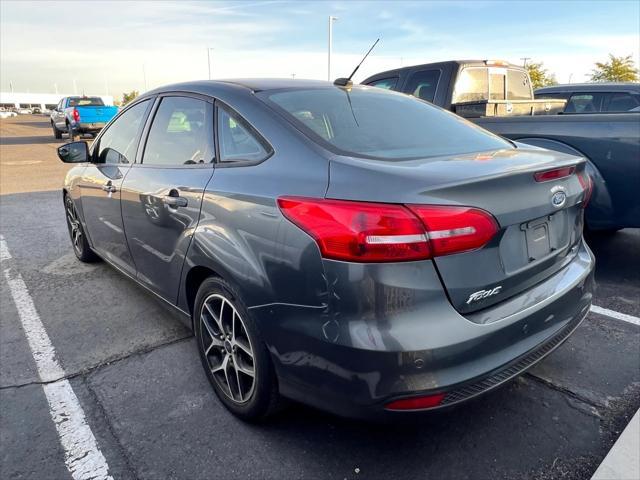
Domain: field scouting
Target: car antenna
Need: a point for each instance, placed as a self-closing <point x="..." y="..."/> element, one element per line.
<point x="346" y="82"/>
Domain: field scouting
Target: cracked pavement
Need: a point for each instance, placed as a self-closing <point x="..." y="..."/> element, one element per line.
<point x="134" y="367"/>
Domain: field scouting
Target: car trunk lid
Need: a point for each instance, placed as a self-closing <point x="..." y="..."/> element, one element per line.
<point x="539" y="222"/>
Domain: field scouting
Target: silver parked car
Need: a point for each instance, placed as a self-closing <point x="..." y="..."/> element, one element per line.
<point x="351" y="248"/>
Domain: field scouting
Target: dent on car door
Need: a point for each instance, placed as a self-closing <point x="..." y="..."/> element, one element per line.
<point x="101" y="184"/>
<point x="161" y="197"/>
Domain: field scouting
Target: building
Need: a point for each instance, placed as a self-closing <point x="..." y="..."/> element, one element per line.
<point x="9" y="100"/>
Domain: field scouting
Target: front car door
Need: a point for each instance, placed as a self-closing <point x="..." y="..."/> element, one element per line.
<point x="112" y="154"/>
<point x="162" y="195"/>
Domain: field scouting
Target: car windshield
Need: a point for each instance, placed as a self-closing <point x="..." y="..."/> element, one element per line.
<point x="379" y="124"/>
<point x="86" y="102"/>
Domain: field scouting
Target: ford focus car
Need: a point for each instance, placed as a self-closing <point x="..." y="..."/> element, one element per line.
<point x="351" y="248"/>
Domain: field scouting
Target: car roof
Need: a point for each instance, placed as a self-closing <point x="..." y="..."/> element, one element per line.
<point x="592" y="87"/>
<point x="210" y="87"/>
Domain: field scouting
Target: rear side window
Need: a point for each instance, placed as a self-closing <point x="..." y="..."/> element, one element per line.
<point x="181" y="133"/>
<point x="239" y="142"/>
<point x="472" y="85"/>
<point x="378" y="124"/>
<point x="423" y="84"/>
<point x="118" y="143"/>
<point x="621" y="102"/>
<point x="386" y="83"/>
<point x="584" y="103"/>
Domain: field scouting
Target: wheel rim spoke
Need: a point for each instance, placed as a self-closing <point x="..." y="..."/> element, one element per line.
<point x="229" y="353"/>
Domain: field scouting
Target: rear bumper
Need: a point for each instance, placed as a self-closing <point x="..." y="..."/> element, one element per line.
<point x="89" y="126"/>
<point x="387" y="332"/>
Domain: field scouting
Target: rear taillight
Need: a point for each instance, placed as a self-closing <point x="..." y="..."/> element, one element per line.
<point x="587" y="185"/>
<point x="554" y="174"/>
<point x="455" y="229"/>
<point x="379" y="232"/>
<point x="416" y="403"/>
<point x="359" y="231"/>
<point x="76" y="115"/>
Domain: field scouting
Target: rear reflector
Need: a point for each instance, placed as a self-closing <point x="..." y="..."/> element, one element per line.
<point x="554" y="174"/>
<point x="455" y="229"/>
<point x="416" y="403"/>
<point x="382" y="232"/>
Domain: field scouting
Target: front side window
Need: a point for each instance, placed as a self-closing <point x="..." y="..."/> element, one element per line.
<point x="119" y="141"/>
<point x="621" y="102"/>
<point x="386" y="83"/>
<point x="378" y="124"/>
<point x="181" y="133"/>
<point x="238" y="141"/>
<point x="423" y="84"/>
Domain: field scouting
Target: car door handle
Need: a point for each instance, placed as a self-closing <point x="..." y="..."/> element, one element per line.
<point x="175" y="201"/>
<point x="108" y="187"/>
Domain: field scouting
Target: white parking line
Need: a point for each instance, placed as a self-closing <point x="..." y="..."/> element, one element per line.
<point x="623" y="460"/>
<point x="617" y="315"/>
<point x="82" y="456"/>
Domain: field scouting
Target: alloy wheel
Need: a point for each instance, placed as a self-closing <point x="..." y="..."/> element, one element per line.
<point x="75" y="230"/>
<point x="227" y="348"/>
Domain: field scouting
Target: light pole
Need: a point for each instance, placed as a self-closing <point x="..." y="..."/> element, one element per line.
<point x="331" y="20"/>
<point x="524" y="61"/>
<point x="209" y="62"/>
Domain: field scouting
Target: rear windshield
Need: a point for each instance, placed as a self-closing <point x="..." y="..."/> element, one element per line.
<point x="86" y="102"/>
<point x="376" y="123"/>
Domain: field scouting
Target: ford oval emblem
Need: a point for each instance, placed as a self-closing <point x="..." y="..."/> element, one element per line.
<point x="558" y="199"/>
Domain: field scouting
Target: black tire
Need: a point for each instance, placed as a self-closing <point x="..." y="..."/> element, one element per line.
<point x="78" y="238"/>
<point x="56" y="133"/>
<point x="263" y="399"/>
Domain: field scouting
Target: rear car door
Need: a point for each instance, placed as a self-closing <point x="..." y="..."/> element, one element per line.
<point x="112" y="153"/>
<point x="162" y="195"/>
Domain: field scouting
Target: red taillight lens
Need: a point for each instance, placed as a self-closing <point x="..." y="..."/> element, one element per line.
<point x="416" y="403"/>
<point x="382" y="232"/>
<point x="359" y="231"/>
<point x="587" y="185"/>
<point x="76" y="115"/>
<point x="553" y="174"/>
<point x="455" y="229"/>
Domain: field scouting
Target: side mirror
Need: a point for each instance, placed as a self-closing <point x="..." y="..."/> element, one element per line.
<point x="74" y="152"/>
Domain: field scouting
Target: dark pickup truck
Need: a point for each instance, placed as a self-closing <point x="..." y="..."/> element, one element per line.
<point x="498" y="97"/>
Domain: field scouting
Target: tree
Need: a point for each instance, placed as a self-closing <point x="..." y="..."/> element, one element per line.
<point x="540" y="76"/>
<point x="617" y="69"/>
<point x="127" y="97"/>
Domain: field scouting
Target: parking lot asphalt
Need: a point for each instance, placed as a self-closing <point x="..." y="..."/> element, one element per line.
<point x="134" y="368"/>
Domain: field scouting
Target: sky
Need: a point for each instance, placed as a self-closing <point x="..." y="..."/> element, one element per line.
<point x="111" y="47"/>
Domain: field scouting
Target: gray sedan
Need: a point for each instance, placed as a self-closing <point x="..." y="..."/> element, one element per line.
<point x="355" y="249"/>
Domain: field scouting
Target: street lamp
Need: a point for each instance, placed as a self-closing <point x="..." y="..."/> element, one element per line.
<point x="209" y="61"/>
<point x="331" y="20"/>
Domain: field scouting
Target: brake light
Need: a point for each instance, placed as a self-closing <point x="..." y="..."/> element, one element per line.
<point x="455" y="229"/>
<point x="76" y="115"/>
<point x="587" y="185"/>
<point x="554" y="174"/>
<point x="416" y="403"/>
<point x="381" y="232"/>
<point x="359" y="231"/>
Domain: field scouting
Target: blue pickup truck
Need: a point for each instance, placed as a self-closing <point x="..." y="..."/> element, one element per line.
<point x="79" y="115"/>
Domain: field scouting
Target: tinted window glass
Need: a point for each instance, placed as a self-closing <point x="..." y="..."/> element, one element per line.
<point x="376" y="123"/>
<point x="119" y="141"/>
<point x="584" y="103"/>
<point x="180" y="133"/>
<point x="472" y="85"/>
<point x="518" y="87"/>
<point x="621" y="102"/>
<point x="497" y="83"/>
<point x="386" y="83"/>
<point x="423" y="84"/>
<point x="238" y="141"/>
<point x="86" y="102"/>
